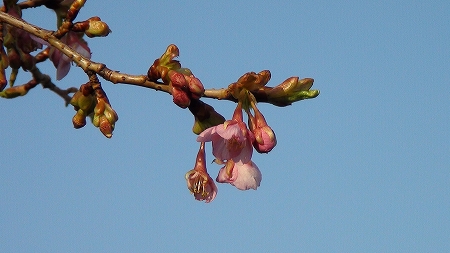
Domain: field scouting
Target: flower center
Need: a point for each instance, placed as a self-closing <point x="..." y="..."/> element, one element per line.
<point x="199" y="186"/>
<point x="233" y="144"/>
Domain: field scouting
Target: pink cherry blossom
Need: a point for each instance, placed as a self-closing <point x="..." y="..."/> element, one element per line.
<point x="243" y="176"/>
<point x="201" y="185"/>
<point x="198" y="180"/>
<point x="230" y="140"/>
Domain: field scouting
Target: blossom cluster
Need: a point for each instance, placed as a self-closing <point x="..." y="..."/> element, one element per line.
<point x="232" y="146"/>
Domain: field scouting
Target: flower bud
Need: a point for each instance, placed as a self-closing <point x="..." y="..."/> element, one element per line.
<point x="265" y="139"/>
<point x="97" y="28"/>
<point x="105" y="127"/>
<point x="252" y="81"/>
<point x="177" y="80"/>
<point x="14" y="92"/>
<point x="153" y="74"/>
<point x="180" y="97"/>
<point x="100" y="107"/>
<point x="79" y="120"/>
<point x="195" y="87"/>
<point x="84" y="99"/>
<point x="104" y="118"/>
<point x="110" y="114"/>
<point x="87" y="103"/>
<point x="291" y="90"/>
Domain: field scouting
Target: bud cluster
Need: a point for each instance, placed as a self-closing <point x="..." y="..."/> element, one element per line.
<point x="104" y="118"/>
<point x="19" y="45"/>
<point x="86" y="103"/>
<point x="183" y="85"/>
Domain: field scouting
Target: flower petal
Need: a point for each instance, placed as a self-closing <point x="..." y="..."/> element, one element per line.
<point x="249" y="176"/>
<point x="206" y="135"/>
<point x="62" y="69"/>
<point x="245" y="154"/>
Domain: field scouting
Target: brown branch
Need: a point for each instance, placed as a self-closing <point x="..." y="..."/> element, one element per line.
<point x="47" y="83"/>
<point x="117" y="77"/>
<point x="84" y="63"/>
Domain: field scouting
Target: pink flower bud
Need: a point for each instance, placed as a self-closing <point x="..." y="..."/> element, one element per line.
<point x="265" y="139"/>
<point x="180" y="97"/>
<point x="177" y="80"/>
<point x="195" y="86"/>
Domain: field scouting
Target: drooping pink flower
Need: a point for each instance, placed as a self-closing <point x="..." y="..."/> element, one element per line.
<point x="198" y="180"/>
<point x="230" y="140"/>
<point x="243" y="176"/>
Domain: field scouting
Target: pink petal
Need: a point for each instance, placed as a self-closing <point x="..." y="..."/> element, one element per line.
<point x="245" y="155"/>
<point x="220" y="150"/>
<point x="249" y="176"/>
<point x="206" y="135"/>
<point x="230" y="131"/>
<point x="62" y="69"/>
<point x="83" y="51"/>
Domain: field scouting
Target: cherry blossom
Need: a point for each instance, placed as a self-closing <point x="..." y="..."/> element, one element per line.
<point x="230" y="140"/>
<point x="243" y="176"/>
<point x="198" y="180"/>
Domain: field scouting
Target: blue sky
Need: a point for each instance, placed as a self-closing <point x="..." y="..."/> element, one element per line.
<point x="364" y="167"/>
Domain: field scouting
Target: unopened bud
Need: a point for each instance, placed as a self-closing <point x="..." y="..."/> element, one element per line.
<point x="180" y="97"/>
<point x="110" y="114"/>
<point x="105" y="127"/>
<point x="84" y="99"/>
<point x="177" y="80"/>
<point x="100" y="107"/>
<point x="87" y="103"/>
<point x="14" y="92"/>
<point x="291" y="90"/>
<point x="79" y="120"/>
<point x="97" y="28"/>
<point x="195" y="86"/>
<point x="252" y="81"/>
<point x="153" y="74"/>
<point x="265" y="139"/>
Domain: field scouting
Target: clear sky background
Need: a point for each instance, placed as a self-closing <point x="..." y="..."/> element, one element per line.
<point x="364" y="167"/>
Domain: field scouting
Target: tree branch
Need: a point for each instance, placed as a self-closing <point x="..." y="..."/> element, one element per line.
<point x="123" y="78"/>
